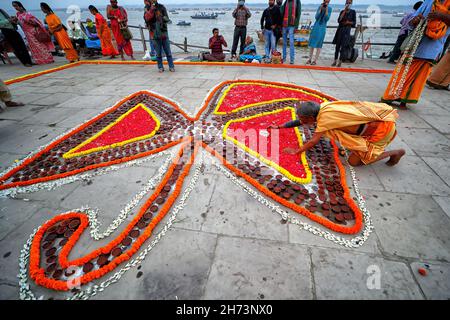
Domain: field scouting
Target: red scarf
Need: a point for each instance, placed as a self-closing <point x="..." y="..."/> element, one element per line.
<point x="286" y="21"/>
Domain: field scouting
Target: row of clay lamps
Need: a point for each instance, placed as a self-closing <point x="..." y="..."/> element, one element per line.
<point x="54" y="239"/>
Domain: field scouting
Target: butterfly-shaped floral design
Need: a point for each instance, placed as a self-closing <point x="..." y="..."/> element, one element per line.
<point x="231" y="125"/>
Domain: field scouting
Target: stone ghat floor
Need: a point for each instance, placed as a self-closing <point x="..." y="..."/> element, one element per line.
<point x="225" y="244"/>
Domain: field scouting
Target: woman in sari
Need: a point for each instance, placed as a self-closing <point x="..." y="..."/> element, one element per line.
<point x="118" y="16"/>
<point x="103" y="33"/>
<point x="31" y="26"/>
<point x="56" y="28"/>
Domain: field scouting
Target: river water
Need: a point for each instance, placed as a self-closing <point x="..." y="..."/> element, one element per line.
<point x="200" y="30"/>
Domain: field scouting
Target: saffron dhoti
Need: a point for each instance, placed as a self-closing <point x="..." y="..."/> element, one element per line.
<point x="376" y="119"/>
<point x="415" y="81"/>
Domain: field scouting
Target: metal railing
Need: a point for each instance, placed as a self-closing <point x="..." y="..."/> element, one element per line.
<point x="359" y="33"/>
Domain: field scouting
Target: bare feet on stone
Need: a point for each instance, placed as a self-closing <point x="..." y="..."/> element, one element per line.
<point x="394" y="159"/>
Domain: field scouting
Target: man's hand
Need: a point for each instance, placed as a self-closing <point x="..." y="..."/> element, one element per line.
<point x="292" y="151"/>
<point x="415" y="21"/>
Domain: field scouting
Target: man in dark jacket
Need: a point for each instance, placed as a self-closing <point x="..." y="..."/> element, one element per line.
<point x="157" y="18"/>
<point x="270" y="21"/>
<point x="342" y="38"/>
<point x="278" y="31"/>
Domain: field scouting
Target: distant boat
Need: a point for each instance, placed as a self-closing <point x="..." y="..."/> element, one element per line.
<point x="203" y="15"/>
<point x="223" y="12"/>
<point x="183" y="23"/>
<point x="364" y="16"/>
<point x="174" y="12"/>
<point x="399" y="14"/>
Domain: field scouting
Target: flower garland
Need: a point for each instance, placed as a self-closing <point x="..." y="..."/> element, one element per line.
<point x="284" y="171"/>
<point x="27" y="294"/>
<point x="38" y="274"/>
<point x="224" y="64"/>
<point x="408" y="57"/>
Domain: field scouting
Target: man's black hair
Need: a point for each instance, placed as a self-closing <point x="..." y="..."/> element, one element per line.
<point x="417" y="5"/>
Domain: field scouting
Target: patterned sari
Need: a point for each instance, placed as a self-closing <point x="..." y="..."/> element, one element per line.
<point x="61" y="36"/>
<point x="31" y="26"/>
<point x="122" y="44"/>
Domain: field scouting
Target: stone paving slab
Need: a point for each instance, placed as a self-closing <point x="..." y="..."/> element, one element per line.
<point x="444" y="202"/>
<point x="410" y="226"/>
<point x="249" y="221"/>
<point x="347" y="275"/>
<point x="413" y="176"/>
<point x="436" y="283"/>
<point x="259" y="269"/>
<point x="170" y="274"/>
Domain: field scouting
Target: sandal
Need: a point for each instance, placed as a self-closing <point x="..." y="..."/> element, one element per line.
<point x="308" y="62"/>
<point x="313" y="63"/>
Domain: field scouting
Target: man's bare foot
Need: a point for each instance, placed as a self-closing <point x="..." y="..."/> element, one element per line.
<point x="394" y="159"/>
<point x="14" y="104"/>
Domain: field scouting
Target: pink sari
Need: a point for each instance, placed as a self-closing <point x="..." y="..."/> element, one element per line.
<point x="41" y="52"/>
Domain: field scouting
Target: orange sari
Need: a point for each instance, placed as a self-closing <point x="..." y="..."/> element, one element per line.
<point x="104" y="34"/>
<point x="414" y="83"/>
<point x="62" y="37"/>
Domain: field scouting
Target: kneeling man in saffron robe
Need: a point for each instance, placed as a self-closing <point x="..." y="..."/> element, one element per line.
<point x="364" y="128"/>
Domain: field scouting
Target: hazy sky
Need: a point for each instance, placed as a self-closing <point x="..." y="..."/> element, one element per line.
<point x="34" y="4"/>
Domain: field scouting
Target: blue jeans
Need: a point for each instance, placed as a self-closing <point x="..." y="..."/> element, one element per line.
<point x="269" y="38"/>
<point x="161" y="45"/>
<point x="152" y="49"/>
<point x="290" y="31"/>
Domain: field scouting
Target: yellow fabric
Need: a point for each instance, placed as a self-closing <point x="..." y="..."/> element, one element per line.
<point x="383" y="135"/>
<point x="340" y="114"/>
